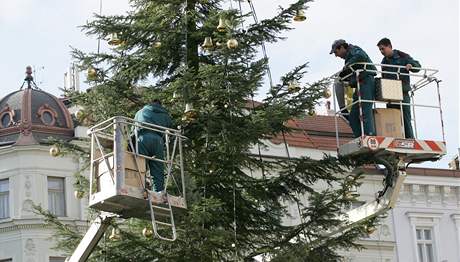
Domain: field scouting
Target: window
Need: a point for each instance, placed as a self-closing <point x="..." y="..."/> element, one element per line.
<point x="425" y="250"/>
<point x="56" y="196"/>
<point x="47" y="118"/>
<point x="6" y="120"/>
<point x="4" y="198"/>
<point x="57" y="259"/>
<point x="47" y="115"/>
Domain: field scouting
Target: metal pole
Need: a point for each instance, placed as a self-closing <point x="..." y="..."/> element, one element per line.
<point x="181" y="161"/>
<point x="334" y="98"/>
<point x="92" y="174"/>
<point x="413" y="113"/>
<point x="118" y="153"/>
<point x="440" y="110"/>
<point x="361" y="117"/>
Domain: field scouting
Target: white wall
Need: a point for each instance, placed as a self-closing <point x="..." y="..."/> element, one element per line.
<point x="23" y="236"/>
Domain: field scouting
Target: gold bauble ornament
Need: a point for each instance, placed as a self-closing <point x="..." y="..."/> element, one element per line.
<point x="78" y="194"/>
<point x="115" y="235"/>
<point x="232" y="43"/>
<point x="92" y="73"/>
<point x="54" y="151"/>
<point x="189" y="114"/>
<point x="326" y="93"/>
<point x="114" y="40"/>
<point x="207" y="44"/>
<point x="299" y="16"/>
<point x="147" y="232"/>
<point x="221" y="27"/>
<point x="370" y="229"/>
<point x="293" y="87"/>
<point x="79" y="115"/>
<point x="157" y="44"/>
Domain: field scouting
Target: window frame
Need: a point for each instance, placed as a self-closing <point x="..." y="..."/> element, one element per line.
<point x="424" y="242"/>
<point x="431" y="221"/>
<point x="63" y="179"/>
<point x="7" y="193"/>
<point x="47" y="109"/>
<point x="3" y="113"/>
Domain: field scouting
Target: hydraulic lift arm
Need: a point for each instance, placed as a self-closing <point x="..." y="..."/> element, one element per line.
<point x="92" y="237"/>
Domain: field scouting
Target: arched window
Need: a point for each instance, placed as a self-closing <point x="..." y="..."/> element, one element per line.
<point x="6" y="117"/>
<point x="47" y="115"/>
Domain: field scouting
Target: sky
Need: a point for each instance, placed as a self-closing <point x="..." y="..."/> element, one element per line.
<point x="40" y="33"/>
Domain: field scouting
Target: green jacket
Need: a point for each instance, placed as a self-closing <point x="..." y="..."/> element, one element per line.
<point x="355" y="55"/>
<point x="154" y="114"/>
<point x="401" y="59"/>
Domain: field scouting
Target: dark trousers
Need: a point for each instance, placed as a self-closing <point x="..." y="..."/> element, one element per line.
<point x="367" y="89"/>
<point x="406" y="115"/>
<point x="152" y="144"/>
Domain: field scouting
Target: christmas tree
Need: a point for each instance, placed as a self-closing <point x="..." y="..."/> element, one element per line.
<point x="202" y="61"/>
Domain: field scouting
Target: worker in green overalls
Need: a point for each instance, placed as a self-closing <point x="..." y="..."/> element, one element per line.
<point x="395" y="57"/>
<point x="151" y="143"/>
<point x="354" y="54"/>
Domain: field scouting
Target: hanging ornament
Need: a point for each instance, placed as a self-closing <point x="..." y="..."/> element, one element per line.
<point x="114" y="40"/>
<point x="207" y="44"/>
<point x="312" y="112"/>
<point x="79" y="114"/>
<point x="232" y="43"/>
<point x="157" y="44"/>
<point x="115" y="235"/>
<point x="55" y="151"/>
<point x="189" y="114"/>
<point x="370" y="229"/>
<point x="92" y="74"/>
<point x="221" y="27"/>
<point x="326" y="93"/>
<point x="299" y="16"/>
<point x="147" y="232"/>
<point x="78" y="194"/>
<point x="293" y="87"/>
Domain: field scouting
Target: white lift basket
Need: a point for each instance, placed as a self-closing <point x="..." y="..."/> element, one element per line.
<point x="406" y="150"/>
<point x="120" y="185"/>
<point x="118" y="172"/>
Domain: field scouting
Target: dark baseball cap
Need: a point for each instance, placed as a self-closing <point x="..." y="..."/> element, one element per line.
<point x="336" y="44"/>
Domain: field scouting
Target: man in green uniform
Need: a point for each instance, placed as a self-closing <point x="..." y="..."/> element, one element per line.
<point x="151" y="143"/>
<point x="395" y="57"/>
<point x="354" y="54"/>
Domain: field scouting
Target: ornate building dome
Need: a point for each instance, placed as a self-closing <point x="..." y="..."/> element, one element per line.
<point x="30" y="116"/>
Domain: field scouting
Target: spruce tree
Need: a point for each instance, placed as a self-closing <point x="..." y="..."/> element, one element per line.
<point x="237" y="200"/>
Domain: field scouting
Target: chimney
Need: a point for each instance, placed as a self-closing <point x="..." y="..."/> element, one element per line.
<point x="454" y="164"/>
<point x="72" y="79"/>
<point x="330" y="112"/>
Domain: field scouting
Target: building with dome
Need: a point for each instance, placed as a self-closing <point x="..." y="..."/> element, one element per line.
<point x="30" y="176"/>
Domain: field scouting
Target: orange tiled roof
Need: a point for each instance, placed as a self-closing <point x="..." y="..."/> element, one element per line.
<point x="316" y="132"/>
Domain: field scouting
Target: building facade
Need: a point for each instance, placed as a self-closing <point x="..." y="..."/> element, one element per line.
<point x="30" y="176"/>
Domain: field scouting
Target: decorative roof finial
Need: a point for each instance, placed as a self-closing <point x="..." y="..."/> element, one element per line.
<point x="29" y="79"/>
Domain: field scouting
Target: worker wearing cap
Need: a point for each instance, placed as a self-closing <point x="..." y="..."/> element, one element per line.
<point x="151" y="143"/>
<point x="354" y="54"/>
<point x="395" y="57"/>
